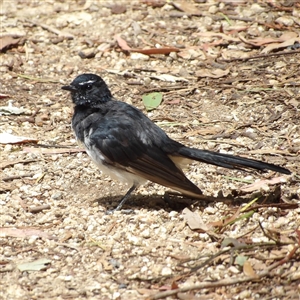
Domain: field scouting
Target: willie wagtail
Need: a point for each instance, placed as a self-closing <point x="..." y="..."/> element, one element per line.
<point x="128" y="146"/>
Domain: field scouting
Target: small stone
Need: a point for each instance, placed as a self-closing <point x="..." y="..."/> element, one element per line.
<point x="146" y="234"/>
<point x="256" y="8"/>
<point x="7" y="148"/>
<point x="89" y="53"/>
<point x="295" y="276"/>
<point x="68" y="278"/>
<point x="173" y="55"/>
<point x="19" y="167"/>
<point x="166" y="271"/>
<point x="144" y="269"/>
<point x="116" y="295"/>
<point x="233" y="270"/>
<point x="118" y="9"/>
<point x="210" y="210"/>
<point x="285" y="21"/>
<point x="134" y="240"/>
<point x="140" y="56"/>
<point x="56" y="196"/>
<point x="244" y="295"/>
<point x="32" y="239"/>
<point x="173" y="214"/>
<point x="213" y="9"/>
<point x="6" y="219"/>
<point x="280" y="64"/>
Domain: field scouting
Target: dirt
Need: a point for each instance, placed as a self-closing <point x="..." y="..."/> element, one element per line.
<point x="233" y="87"/>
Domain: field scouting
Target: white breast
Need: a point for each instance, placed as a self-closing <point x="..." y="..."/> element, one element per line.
<point x="115" y="173"/>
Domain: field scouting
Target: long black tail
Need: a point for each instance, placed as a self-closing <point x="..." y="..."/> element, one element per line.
<point x="228" y="161"/>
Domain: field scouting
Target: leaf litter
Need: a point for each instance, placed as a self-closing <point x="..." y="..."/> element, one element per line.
<point x="219" y="74"/>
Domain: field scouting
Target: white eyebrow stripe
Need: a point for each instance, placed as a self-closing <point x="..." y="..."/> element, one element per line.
<point x="87" y="82"/>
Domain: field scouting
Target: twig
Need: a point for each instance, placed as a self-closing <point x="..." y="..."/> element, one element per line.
<point x="167" y="89"/>
<point x="17" y="177"/>
<point x="11" y="163"/>
<point x="38" y="79"/>
<point x="260" y="56"/>
<point x="52" y="29"/>
<point x="225" y="282"/>
<point x="31" y="118"/>
<point x="221" y="252"/>
<point x="278" y="205"/>
<point x="67" y="245"/>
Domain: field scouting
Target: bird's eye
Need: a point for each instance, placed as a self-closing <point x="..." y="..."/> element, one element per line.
<point x="89" y="87"/>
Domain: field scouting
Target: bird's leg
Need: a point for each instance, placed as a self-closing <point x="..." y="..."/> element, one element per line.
<point x="124" y="199"/>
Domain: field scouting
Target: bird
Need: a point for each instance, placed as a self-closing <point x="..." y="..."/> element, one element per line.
<point x="126" y="145"/>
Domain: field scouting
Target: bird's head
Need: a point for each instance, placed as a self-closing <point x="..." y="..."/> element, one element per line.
<point x="88" y="90"/>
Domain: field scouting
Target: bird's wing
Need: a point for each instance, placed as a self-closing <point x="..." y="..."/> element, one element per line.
<point x="134" y="150"/>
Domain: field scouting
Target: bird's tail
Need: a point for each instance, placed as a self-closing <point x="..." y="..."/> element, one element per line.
<point x="228" y="161"/>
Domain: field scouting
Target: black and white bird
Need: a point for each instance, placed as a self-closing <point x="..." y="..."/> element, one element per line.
<point x="125" y="144"/>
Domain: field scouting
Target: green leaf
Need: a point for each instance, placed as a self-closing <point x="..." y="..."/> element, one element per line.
<point x="152" y="100"/>
<point x="37" y="265"/>
<point x="240" y="260"/>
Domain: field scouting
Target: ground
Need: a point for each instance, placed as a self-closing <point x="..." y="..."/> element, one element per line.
<point x="229" y="76"/>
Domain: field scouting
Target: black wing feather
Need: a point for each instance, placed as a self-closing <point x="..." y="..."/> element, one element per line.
<point x="138" y="150"/>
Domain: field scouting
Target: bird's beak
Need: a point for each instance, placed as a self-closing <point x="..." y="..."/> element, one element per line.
<point x="70" y="88"/>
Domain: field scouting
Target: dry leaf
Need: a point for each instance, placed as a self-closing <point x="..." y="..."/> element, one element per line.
<point x="187" y="296"/>
<point x="256" y="186"/>
<point x="154" y="3"/>
<point x="293" y="102"/>
<point x="269" y="40"/>
<point x="10" y="109"/>
<point x="167" y="77"/>
<point x="25" y="232"/>
<point x="187" y="7"/>
<point x="163" y="50"/>
<point x="285" y="40"/>
<point x="2" y="96"/>
<point x="37" y="265"/>
<point x="5" y="164"/>
<point x="7" y="138"/>
<point x="66" y="236"/>
<point x="122" y="43"/>
<point x="4" y="186"/>
<point x="274" y="46"/>
<point x="52" y="151"/>
<point x="213" y="73"/>
<point x="191" y="53"/>
<point x="146" y="292"/>
<point x="8" y="41"/>
<point x="248" y="270"/>
<point x="194" y="221"/>
<point x="217" y="34"/>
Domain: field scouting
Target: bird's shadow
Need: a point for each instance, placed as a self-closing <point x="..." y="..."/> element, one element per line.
<point x="177" y="202"/>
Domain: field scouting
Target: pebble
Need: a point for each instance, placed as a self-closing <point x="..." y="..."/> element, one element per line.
<point x="136" y="56"/>
<point x="256" y="8"/>
<point x="244" y="295"/>
<point x="173" y="214"/>
<point x="210" y="210"/>
<point x="233" y="270"/>
<point x="56" y="196"/>
<point x="285" y="21"/>
<point x="134" y="240"/>
<point x="146" y="233"/>
<point x="166" y="271"/>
